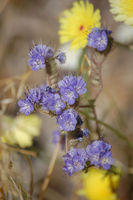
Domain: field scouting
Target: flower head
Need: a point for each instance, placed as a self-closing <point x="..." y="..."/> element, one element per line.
<point x="99" y="154"/>
<point x="38" y="56"/>
<point x="74" y="161"/>
<point x="26" y="107"/>
<point x="52" y="101"/>
<point x="35" y="95"/>
<point x="98" y="39"/>
<point x="71" y="87"/>
<point x="67" y="120"/>
<point x="56" y="104"/>
<point x="123" y="10"/>
<point x="77" y="23"/>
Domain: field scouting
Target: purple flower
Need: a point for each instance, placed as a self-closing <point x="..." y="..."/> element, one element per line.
<point x="86" y="132"/>
<point x="26" y="107"/>
<point x="48" y="52"/>
<point x="106" y="160"/>
<point x="67" y="82"/>
<point x="69" y="95"/>
<point x="98" y="38"/>
<point x="56" y="104"/>
<point x="38" y="56"/>
<point x="52" y="101"/>
<point x="99" y="154"/>
<point x="67" y="120"/>
<point x="56" y="136"/>
<point x="35" y="95"/>
<point x="71" y="87"/>
<point x="74" y="161"/>
<point x="80" y="86"/>
<point x="61" y="57"/>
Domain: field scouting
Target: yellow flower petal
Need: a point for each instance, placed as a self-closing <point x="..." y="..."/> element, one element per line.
<point x="97" y="185"/>
<point x="123" y="10"/>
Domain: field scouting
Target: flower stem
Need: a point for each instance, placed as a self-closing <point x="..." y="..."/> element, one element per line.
<point x="115" y="131"/>
<point x="50" y="170"/>
<point x="96" y="121"/>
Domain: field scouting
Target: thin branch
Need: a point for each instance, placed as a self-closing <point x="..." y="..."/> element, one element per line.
<point x="96" y="120"/>
<point x="22" y="151"/>
<point x="99" y="67"/>
<point x="50" y="171"/>
<point x="31" y="177"/>
<point x="85" y="106"/>
<point x="16" y="77"/>
<point x="16" y="187"/>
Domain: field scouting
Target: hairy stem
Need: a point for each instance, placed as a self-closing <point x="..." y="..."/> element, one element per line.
<point x="96" y="121"/>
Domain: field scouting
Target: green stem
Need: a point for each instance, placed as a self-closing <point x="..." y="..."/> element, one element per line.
<point x="115" y="131"/>
<point x="81" y="59"/>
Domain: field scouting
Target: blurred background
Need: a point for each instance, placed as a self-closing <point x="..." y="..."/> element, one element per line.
<point x="26" y="22"/>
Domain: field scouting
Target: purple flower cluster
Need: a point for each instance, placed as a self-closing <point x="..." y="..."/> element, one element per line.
<point x="71" y="87"/>
<point x="67" y="120"/>
<point x="43" y="96"/>
<point x="38" y="56"/>
<point x="47" y="98"/>
<point x="98" y="39"/>
<point x="53" y="102"/>
<point x="33" y="97"/>
<point x="98" y="153"/>
<point x="74" y="161"/>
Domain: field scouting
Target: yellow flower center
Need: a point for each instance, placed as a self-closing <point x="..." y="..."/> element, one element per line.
<point x="81" y="27"/>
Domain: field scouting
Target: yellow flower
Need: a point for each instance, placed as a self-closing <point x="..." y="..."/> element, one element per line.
<point x="77" y="23"/>
<point x="123" y="10"/>
<point x="20" y="130"/>
<point x="97" y="185"/>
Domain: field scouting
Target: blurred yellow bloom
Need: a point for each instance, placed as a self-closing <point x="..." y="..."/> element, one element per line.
<point x="20" y="130"/>
<point x="123" y="10"/>
<point x="77" y="23"/>
<point x="98" y="186"/>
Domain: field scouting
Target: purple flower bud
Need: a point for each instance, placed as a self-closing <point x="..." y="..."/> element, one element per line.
<point x="86" y="132"/>
<point x="61" y="57"/>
